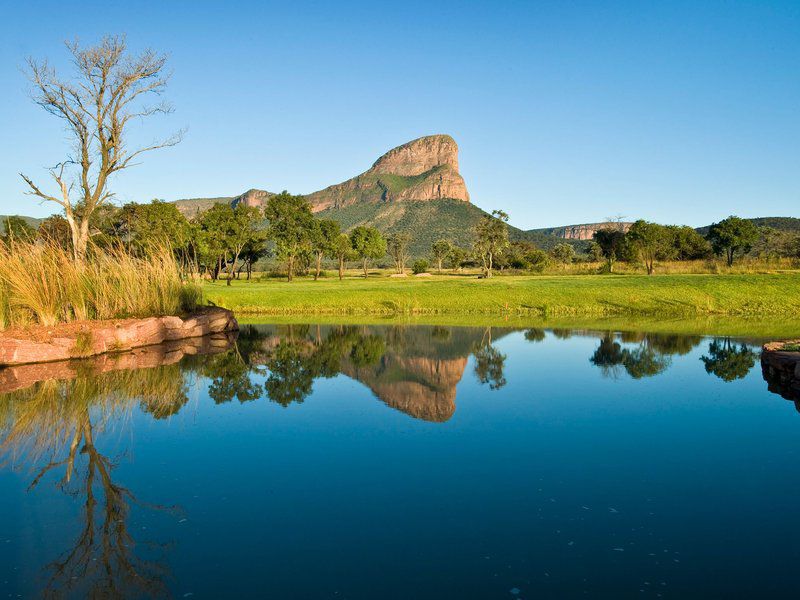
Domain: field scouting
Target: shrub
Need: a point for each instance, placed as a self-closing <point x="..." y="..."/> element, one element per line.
<point x="419" y="266"/>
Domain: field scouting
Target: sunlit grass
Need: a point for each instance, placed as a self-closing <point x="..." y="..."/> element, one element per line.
<point x="666" y="296"/>
<point x="41" y="284"/>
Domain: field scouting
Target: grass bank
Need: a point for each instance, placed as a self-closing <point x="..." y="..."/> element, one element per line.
<point x="40" y="284"/>
<point x="666" y="296"/>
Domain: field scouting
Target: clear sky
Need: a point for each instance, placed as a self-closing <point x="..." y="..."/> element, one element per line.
<point x="565" y="112"/>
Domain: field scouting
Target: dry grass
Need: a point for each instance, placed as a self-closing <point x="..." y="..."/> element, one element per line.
<point x="40" y="284"/>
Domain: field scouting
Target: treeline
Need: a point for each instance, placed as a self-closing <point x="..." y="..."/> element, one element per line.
<point x="226" y="242"/>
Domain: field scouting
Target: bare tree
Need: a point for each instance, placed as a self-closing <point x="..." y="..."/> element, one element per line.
<point x="108" y="90"/>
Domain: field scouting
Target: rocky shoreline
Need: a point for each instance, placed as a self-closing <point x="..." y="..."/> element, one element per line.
<point x="91" y="338"/>
<point x="781" y="369"/>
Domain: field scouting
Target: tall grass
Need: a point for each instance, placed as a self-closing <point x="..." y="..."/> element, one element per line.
<point x="41" y="284"/>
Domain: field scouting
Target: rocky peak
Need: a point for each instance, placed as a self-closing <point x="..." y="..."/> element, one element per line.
<point x="419" y="156"/>
<point x="252" y="197"/>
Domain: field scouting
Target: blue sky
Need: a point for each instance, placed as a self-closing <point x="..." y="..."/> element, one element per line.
<point x="565" y="112"/>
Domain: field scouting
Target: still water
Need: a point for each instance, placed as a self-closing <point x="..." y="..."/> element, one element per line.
<point x="402" y="462"/>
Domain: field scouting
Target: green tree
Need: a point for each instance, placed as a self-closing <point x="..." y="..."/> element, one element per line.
<point x="325" y="236"/>
<point x="456" y="257"/>
<point x="440" y="249"/>
<point x="55" y="230"/>
<point x="491" y="235"/>
<point x="594" y="252"/>
<point x="243" y="232"/>
<point x="650" y="241"/>
<point x="732" y="236"/>
<point x="687" y="244"/>
<point x="612" y="243"/>
<point x="291" y="227"/>
<point x="563" y="253"/>
<point x="397" y="245"/>
<point x="16" y="229"/>
<point x="367" y="243"/>
<point x="146" y="228"/>
<point x="342" y="251"/>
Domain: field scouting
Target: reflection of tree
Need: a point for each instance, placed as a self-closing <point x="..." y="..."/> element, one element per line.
<point x="644" y="361"/>
<point x="489" y="362"/>
<point x="55" y="423"/>
<point x="230" y="378"/>
<point x="728" y="362"/>
<point x="534" y="335"/>
<point x="291" y="373"/>
<point x="647" y="359"/>
<point x="608" y="355"/>
<point x="367" y="350"/>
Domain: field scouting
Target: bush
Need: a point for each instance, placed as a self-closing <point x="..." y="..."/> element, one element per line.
<point x="420" y="266"/>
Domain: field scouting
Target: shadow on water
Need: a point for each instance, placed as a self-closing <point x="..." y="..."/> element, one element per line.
<point x="52" y="415"/>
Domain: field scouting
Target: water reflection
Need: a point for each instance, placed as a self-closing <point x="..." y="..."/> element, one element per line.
<point x="53" y="416"/>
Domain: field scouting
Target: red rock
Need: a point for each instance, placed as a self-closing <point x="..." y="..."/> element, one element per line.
<point x="91" y="338"/>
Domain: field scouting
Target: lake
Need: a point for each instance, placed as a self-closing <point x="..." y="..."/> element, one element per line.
<point x="304" y="461"/>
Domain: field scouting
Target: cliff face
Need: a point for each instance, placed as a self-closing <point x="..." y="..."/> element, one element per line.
<point x="423" y="169"/>
<point x="583" y="232"/>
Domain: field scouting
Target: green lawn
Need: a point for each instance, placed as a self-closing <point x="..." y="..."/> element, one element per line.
<point x="664" y="296"/>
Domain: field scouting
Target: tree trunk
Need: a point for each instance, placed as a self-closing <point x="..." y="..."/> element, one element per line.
<point x="439" y="263"/>
<point x="365" y="268"/>
<point x="289" y="268"/>
<point x="341" y="268"/>
<point x="319" y="266"/>
<point x="489" y="269"/>
<point x="729" y="252"/>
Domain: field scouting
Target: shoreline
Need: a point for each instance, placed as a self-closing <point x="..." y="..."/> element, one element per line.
<point x="82" y="339"/>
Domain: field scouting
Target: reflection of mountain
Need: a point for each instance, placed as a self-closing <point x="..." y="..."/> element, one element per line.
<point x="411" y="369"/>
<point x="424" y="388"/>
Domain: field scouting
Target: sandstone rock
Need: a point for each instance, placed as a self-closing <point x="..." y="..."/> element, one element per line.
<point x="98" y="337"/>
<point x="421" y="170"/>
<point x="18" y="377"/>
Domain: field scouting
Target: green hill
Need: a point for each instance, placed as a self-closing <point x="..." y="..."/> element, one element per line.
<point x="32" y="221"/>
<point x="428" y="221"/>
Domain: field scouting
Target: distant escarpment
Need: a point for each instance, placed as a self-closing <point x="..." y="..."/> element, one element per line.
<point x="423" y="169"/>
<point x="584" y="231"/>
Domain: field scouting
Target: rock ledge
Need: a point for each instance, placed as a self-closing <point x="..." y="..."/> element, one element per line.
<point x="90" y="338"/>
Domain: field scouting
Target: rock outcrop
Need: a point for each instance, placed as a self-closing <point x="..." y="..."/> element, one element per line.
<point x="90" y="338"/>
<point x="421" y="170"/>
<point x="781" y="370"/>
<point x="253" y="197"/>
<point x="585" y="231"/>
<point x="149" y="357"/>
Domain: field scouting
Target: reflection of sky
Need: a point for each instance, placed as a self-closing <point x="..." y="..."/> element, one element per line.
<point x="561" y="476"/>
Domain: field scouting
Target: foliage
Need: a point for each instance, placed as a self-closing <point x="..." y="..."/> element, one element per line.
<point x="650" y="241"/>
<point x="440" y="250"/>
<point x="563" y="253"/>
<point x="397" y="247"/>
<point x="420" y="266"/>
<point x="491" y="239"/>
<point x="324" y="239"/>
<point x="291" y="227"/>
<point x="732" y="236"/>
<point x="612" y="244"/>
<point x="16" y="229"/>
<point x="367" y="243"/>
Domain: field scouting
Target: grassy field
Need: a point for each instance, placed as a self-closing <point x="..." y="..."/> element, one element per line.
<point x="758" y="296"/>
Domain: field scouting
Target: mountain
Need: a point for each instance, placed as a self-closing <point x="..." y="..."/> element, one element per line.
<point x="422" y="170"/>
<point x="414" y="188"/>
